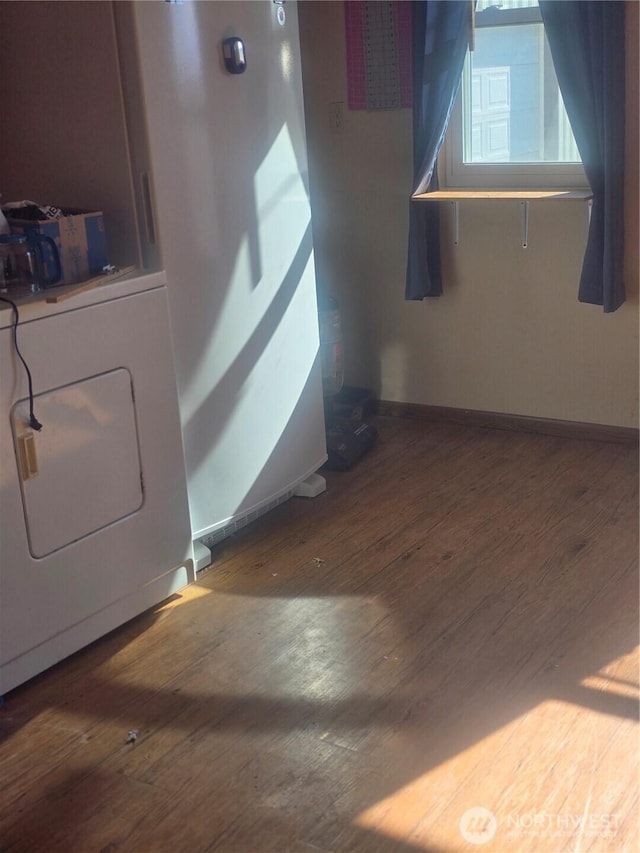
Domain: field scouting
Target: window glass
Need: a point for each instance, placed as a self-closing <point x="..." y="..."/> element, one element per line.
<point x="510" y="126"/>
<point x="513" y="109"/>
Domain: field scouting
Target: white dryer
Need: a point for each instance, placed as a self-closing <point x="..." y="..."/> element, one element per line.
<point x="94" y="517"/>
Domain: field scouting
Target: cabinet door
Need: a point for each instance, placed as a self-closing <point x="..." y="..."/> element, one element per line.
<point x="82" y="472"/>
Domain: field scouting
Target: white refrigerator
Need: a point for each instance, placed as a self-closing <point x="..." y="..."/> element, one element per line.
<point x="232" y="217"/>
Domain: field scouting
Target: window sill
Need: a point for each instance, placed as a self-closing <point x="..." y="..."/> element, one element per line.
<point x="518" y="195"/>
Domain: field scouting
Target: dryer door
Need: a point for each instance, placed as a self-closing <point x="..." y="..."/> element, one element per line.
<point x="82" y="472"/>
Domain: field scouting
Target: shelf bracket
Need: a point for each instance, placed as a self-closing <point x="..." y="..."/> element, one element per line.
<point x="456" y="222"/>
<point x="525" y="223"/>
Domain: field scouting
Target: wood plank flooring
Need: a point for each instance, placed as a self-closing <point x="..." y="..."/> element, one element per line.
<point x="438" y="654"/>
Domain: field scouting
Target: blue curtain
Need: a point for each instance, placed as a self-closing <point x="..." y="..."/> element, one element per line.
<point x="440" y="40"/>
<point x="586" y="38"/>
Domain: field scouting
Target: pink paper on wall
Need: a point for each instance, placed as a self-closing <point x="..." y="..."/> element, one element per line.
<point x="378" y="40"/>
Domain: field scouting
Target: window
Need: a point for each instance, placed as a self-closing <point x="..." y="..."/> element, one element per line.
<point x="509" y="127"/>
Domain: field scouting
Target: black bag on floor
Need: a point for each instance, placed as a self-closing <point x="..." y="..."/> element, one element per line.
<point x="346" y="445"/>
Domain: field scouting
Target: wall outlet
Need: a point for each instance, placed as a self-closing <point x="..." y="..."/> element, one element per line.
<point x="336" y="116"/>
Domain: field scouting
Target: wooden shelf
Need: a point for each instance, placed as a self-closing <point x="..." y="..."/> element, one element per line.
<point x="517" y="195"/>
<point x="524" y="197"/>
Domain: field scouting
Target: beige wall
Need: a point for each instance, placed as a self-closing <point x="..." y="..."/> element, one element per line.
<point x="508" y="334"/>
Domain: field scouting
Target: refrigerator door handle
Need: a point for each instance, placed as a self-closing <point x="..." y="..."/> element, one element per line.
<point x="147" y="206"/>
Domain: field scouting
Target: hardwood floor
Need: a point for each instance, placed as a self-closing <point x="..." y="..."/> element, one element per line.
<point x="452" y="626"/>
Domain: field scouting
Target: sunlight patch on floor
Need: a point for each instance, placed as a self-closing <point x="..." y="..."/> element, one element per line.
<point x="484" y="794"/>
<point x="185" y="596"/>
<point x="424" y="813"/>
<point x="619" y="677"/>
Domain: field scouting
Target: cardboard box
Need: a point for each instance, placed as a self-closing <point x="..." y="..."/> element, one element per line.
<point x="80" y="238"/>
